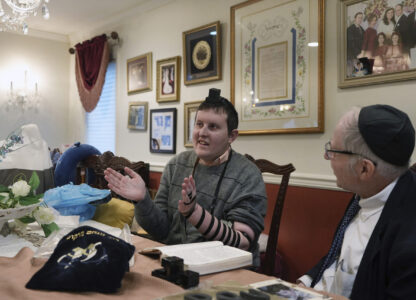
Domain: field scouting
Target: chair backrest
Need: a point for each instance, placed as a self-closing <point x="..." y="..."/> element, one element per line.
<point x="98" y="163"/>
<point x="266" y="166"/>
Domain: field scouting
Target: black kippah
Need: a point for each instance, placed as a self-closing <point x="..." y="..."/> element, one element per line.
<point x="388" y="132"/>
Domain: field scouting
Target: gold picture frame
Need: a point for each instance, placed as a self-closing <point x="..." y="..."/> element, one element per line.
<point x="137" y="116"/>
<point x="189" y="112"/>
<point x="202" y="54"/>
<point x="277" y="66"/>
<point x="168" y="79"/>
<point x="139" y="73"/>
<point x="361" y="65"/>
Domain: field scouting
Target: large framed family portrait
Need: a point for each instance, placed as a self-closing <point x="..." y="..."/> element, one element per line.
<point x="277" y="66"/>
<point x="163" y="130"/>
<point x="377" y="41"/>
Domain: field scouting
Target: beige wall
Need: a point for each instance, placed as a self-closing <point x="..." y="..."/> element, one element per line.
<point x="47" y="62"/>
<point x="158" y="29"/>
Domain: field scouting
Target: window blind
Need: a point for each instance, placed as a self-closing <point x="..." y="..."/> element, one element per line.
<point x="101" y="122"/>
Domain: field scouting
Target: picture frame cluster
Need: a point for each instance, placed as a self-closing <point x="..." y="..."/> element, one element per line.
<point x="201" y="63"/>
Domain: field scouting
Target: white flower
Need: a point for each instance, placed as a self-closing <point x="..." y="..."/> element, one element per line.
<point x="43" y="215"/>
<point x="20" y="188"/>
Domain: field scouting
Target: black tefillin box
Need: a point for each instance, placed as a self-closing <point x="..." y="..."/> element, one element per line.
<point x="173" y="271"/>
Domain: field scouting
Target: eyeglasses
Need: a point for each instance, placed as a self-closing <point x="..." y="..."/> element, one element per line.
<point x="329" y="153"/>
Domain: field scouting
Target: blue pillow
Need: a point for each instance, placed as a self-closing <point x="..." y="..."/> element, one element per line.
<point x="65" y="170"/>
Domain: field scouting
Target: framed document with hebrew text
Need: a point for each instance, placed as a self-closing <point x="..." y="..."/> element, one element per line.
<point x="277" y="66"/>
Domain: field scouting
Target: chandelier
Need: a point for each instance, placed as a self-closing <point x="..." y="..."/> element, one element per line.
<point x="13" y="13"/>
<point x="22" y="96"/>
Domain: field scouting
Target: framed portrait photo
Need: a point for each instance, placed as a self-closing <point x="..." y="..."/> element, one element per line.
<point x="190" y="109"/>
<point x="377" y="42"/>
<point x="139" y="73"/>
<point x="202" y="54"/>
<point x="277" y="66"/>
<point x="137" y="118"/>
<point x="168" y="79"/>
<point x="163" y="130"/>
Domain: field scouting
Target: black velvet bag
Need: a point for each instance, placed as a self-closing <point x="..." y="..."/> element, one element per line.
<point x="86" y="259"/>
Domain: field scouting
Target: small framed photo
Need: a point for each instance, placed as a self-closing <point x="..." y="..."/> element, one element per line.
<point x="190" y="110"/>
<point x="137" y="116"/>
<point x="139" y="73"/>
<point x="163" y="130"/>
<point x="168" y="79"/>
<point x="202" y="54"/>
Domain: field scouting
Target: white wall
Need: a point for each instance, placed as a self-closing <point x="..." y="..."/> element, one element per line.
<point x="158" y="29"/>
<point x="47" y="63"/>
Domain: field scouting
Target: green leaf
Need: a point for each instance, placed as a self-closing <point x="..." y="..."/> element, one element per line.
<point x="28" y="200"/>
<point x="4" y="189"/>
<point x="34" y="181"/>
<point x="27" y="220"/>
<point x="49" y="228"/>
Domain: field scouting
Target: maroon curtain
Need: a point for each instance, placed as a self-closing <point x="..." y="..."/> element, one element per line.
<point x="90" y="66"/>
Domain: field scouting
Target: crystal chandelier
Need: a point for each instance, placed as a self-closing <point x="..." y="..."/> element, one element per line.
<point x="13" y="13"/>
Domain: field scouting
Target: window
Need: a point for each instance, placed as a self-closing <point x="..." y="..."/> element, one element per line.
<point x="101" y="122"/>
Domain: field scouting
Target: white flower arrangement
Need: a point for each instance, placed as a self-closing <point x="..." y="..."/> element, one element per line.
<point x="22" y="193"/>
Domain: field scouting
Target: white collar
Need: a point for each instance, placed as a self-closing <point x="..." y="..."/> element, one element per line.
<point x="373" y="204"/>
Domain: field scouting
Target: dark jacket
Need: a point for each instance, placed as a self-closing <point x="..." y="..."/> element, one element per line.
<point x="388" y="267"/>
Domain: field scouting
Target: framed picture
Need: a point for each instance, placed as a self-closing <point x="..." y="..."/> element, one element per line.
<point x="168" y="79"/>
<point x="377" y="42"/>
<point x="163" y="130"/>
<point x="139" y="73"/>
<point x="189" y="113"/>
<point x="277" y="66"/>
<point x="137" y="116"/>
<point x="202" y="54"/>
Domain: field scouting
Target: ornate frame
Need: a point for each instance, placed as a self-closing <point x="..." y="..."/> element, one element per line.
<point x="165" y="91"/>
<point x="202" y="54"/>
<point x="346" y="76"/>
<point x="270" y="38"/>
<point x="189" y="110"/>
<point x="137" y="114"/>
<point x="139" y="73"/>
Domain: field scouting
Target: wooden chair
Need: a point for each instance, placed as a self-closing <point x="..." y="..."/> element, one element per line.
<point x="265" y="166"/>
<point x="91" y="169"/>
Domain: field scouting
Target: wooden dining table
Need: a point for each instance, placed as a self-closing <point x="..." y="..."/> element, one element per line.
<point x="138" y="283"/>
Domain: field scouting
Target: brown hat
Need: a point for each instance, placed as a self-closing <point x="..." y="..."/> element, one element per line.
<point x="388" y="132"/>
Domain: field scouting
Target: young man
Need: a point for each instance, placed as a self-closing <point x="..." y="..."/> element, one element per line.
<point x="208" y="193"/>
<point x="374" y="248"/>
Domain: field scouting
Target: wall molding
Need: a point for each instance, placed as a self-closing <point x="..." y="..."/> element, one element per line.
<point x="309" y="180"/>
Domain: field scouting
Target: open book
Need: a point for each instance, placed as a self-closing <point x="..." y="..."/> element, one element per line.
<point x="205" y="257"/>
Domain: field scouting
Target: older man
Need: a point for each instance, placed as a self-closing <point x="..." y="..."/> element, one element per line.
<point x="208" y="193"/>
<point x="373" y="252"/>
